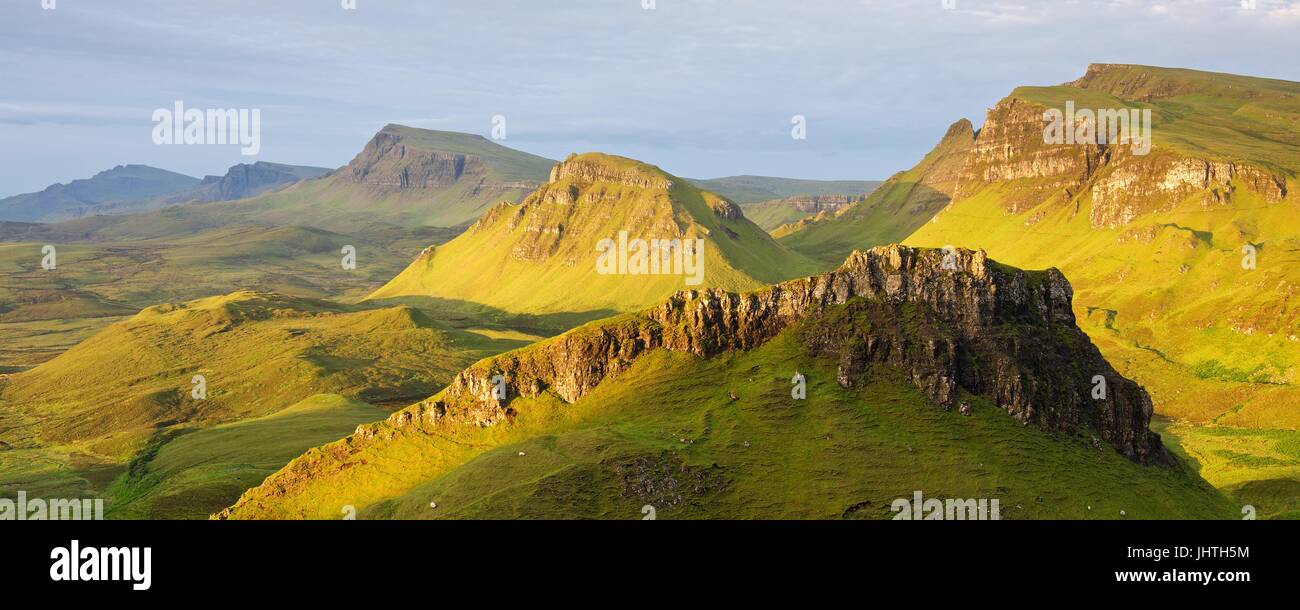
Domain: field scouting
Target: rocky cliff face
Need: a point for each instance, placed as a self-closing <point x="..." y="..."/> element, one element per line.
<point x="388" y="163"/>
<point x="247" y="180"/>
<point x="946" y="321"/>
<point x="816" y="204"/>
<point x="1010" y="151"/>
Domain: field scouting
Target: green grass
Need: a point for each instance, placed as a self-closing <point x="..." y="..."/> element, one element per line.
<point x="540" y="256"/>
<point x="190" y="474"/>
<point x="666" y="432"/>
<point x="120" y="400"/>
<point x="42" y="313"/>
<point x="259" y="352"/>
<point x="891" y="212"/>
<point x="1256" y="467"/>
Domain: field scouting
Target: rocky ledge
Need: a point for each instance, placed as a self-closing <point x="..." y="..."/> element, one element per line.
<point x="947" y="321"/>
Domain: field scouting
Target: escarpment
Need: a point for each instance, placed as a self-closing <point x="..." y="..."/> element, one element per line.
<point x="1122" y="180"/>
<point x="391" y="163"/>
<point x="947" y="321"/>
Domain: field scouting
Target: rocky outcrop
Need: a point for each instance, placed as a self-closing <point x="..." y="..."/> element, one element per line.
<point x="815" y="204"/>
<point x="247" y="180"/>
<point x="587" y="169"/>
<point x="389" y="163"/>
<point x="1010" y="148"/>
<point x="947" y="321"/>
<point x="1159" y="183"/>
<point x="1010" y="151"/>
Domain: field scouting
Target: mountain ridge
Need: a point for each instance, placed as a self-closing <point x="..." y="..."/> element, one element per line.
<point x="551" y="240"/>
<point x="885" y="309"/>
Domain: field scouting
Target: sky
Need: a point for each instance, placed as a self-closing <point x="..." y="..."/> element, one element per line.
<point x="701" y="88"/>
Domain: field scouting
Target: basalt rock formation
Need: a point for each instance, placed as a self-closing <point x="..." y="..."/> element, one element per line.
<point x="1122" y="181"/>
<point x="947" y="321"/>
<point x="390" y="162"/>
<point x="248" y="180"/>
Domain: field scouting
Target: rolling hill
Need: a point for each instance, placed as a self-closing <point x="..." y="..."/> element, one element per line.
<point x="543" y="255"/>
<point x="116" y="403"/>
<point x="1184" y="258"/>
<point x="963" y="380"/>
<point x="394" y="199"/>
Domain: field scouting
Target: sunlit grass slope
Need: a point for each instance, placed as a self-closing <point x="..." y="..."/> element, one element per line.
<point x="667" y="432"/>
<point x="189" y="474"/>
<point x="540" y="256"/>
<point x="891" y="212"/>
<point x="258" y="352"/>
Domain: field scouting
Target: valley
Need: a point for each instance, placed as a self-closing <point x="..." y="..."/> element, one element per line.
<point x="487" y="358"/>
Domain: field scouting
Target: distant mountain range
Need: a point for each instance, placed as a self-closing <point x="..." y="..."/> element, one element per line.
<point x="129" y="189"/>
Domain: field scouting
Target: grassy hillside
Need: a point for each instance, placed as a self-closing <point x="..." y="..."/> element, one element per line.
<point x="1159" y="277"/>
<point x="667" y="433"/>
<point x="288" y="241"/>
<point x="891" y="212"/>
<point x="189" y="474"/>
<point x="540" y="256"/>
<point x="119" y="405"/>
<point x="688" y="406"/>
<point x="259" y="352"/>
<point x="42" y="313"/>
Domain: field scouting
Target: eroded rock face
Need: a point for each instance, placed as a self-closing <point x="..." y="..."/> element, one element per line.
<point x="586" y="191"/>
<point x="242" y="180"/>
<point x="1010" y="150"/>
<point x="588" y="170"/>
<point x="945" y="320"/>
<point x="387" y="163"/>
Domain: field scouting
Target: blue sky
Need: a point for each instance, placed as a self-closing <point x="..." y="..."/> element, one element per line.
<point x="702" y="88"/>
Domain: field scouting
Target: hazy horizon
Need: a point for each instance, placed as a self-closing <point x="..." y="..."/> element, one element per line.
<point x="702" y="89"/>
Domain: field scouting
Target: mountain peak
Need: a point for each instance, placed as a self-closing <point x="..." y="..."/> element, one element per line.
<point x="400" y="158"/>
<point x="587" y="168"/>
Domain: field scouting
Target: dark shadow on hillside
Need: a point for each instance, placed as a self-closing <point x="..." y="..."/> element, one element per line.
<point x="464" y="314"/>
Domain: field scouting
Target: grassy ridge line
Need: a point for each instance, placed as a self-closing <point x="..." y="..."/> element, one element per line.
<point x="666" y="432"/>
<point x="540" y="256"/>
